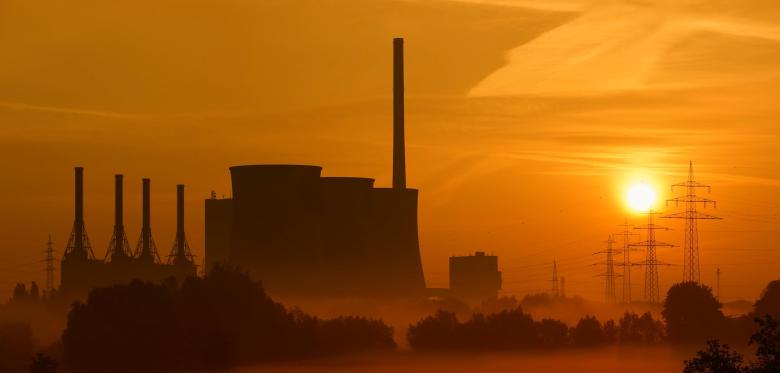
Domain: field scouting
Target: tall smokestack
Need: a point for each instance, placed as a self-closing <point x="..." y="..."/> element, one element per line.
<point x="146" y="250"/>
<point x="145" y="205"/>
<point x="78" y="245"/>
<point x="180" y="239"/>
<point x="180" y="254"/>
<point x="118" y="249"/>
<point x="78" y="222"/>
<point x="399" y="155"/>
<point x="118" y="198"/>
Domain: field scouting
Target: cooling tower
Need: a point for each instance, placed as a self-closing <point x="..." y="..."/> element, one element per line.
<point x="219" y="224"/>
<point x="276" y="225"/>
<point x="395" y="248"/>
<point x="345" y="228"/>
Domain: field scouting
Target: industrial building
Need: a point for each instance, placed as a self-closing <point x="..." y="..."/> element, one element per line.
<point x="81" y="271"/>
<point x="304" y="234"/>
<point x="475" y="276"/>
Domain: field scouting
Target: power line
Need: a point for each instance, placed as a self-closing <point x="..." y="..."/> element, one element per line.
<point x="49" y="266"/>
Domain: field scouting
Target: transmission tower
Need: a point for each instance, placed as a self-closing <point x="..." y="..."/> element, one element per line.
<point x="651" y="263"/>
<point x="627" y="233"/>
<point x="609" y="275"/>
<point x="555" y="290"/>
<point x="691" y="269"/>
<point x="49" y="266"/>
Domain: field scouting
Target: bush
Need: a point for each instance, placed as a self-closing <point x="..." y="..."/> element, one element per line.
<point x="16" y="346"/>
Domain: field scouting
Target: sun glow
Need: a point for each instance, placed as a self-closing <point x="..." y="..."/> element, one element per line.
<point x="641" y="197"/>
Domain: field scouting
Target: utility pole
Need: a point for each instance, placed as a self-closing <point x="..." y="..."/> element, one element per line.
<point x="651" y="263"/>
<point x="627" y="233"/>
<point x="609" y="275"/>
<point x="49" y="266"/>
<point x="717" y="276"/>
<point x="555" y="290"/>
<point x="691" y="267"/>
<point x="563" y="287"/>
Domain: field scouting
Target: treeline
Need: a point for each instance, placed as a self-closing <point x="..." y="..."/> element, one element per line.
<point x="691" y="314"/>
<point x="515" y="329"/>
<point x="216" y="322"/>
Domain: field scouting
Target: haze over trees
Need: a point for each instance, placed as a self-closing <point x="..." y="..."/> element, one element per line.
<point x="516" y="330"/>
<point x="216" y="322"/>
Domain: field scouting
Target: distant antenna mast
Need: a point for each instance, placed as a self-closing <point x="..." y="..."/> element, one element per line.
<point x="49" y="266"/>
<point x="691" y="268"/>
<point x="555" y="291"/>
<point x="651" y="263"/>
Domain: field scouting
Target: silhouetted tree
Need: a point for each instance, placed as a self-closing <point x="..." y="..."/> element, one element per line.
<point x="498" y="304"/>
<point x="34" y="292"/>
<point x="610" y="332"/>
<point x="439" y="331"/>
<point x="769" y="302"/>
<point x="588" y="332"/>
<point x="717" y="358"/>
<point x="20" y="293"/>
<point x="43" y="364"/>
<point x="633" y="329"/>
<point x="509" y="330"/>
<point x="692" y="313"/>
<point x="767" y="340"/>
<point x="351" y="334"/>
<point x="216" y="322"/>
<point x="536" y="300"/>
<point x="16" y="346"/>
<point x="553" y="333"/>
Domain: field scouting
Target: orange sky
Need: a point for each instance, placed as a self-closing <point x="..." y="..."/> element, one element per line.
<point x="525" y="120"/>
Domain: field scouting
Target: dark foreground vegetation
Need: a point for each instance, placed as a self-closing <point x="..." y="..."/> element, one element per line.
<point x="691" y="315"/>
<point x="226" y="319"/>
<point x="220" y="321"/>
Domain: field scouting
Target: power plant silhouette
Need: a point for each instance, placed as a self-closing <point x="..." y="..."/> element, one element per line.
<point x="304" y="234"/>
<point x="81" y="271"/>
<point x="299" y="233"/>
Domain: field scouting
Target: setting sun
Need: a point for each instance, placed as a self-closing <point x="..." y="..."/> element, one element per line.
<point x="641" y="197"/>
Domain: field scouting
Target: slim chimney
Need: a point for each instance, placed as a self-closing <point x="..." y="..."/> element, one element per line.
<point x="78" y="245"/>
<point x="146" y="250"/>
<point x="78" y="239"/>
<point x="118" y="249"/>
<point x="180" y="254"/>
<point x="118" y="213"/>
<point x="399" y="156"/>
<point x="145" y="205"/>
<point x="180" y="239"/>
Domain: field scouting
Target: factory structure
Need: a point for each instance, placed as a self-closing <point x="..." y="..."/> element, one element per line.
<point x="304" y="234"/>
<point x="474" y="277"/>
<point x="81" y="271"/>
<point x="296" y="231"/>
